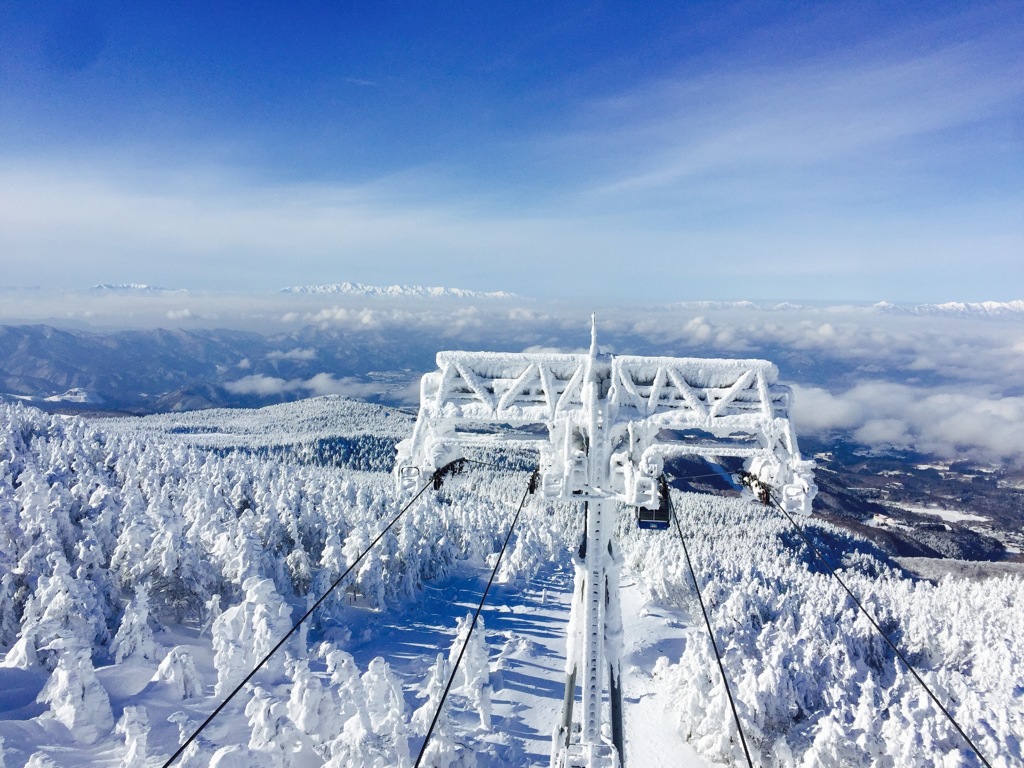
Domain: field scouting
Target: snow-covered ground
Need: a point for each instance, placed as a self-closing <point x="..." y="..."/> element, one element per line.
<point x="141" y="575"/>
<point x="949" y="515"/>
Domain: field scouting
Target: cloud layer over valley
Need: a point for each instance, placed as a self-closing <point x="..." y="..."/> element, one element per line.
<point x="942" y="379"/>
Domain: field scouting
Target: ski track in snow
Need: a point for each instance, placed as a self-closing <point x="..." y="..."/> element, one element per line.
<point x="652" y="739"/>
<point x="525" y="626"/>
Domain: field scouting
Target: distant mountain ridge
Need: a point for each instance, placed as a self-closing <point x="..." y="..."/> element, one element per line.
<point x="984" y="308"/>
<point x="135" y="288"/>
<point x="419" y="291"/>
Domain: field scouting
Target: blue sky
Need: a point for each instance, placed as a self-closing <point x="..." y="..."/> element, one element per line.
<point x="757" y="150"/>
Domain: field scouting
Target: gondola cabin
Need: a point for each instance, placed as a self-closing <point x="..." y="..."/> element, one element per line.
<point x="656" y="519"/>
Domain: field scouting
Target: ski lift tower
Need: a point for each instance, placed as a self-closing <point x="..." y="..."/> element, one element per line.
<point x="603" y="427"/>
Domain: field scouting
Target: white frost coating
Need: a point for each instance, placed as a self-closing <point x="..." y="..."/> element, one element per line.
<point x="603" y="427"/>
<point x="22" y="655"/>
<point x="474" y="670"/>
<point x="238" y="756"/>
<point x="572" y="630"/>
<point x="178" y="672"/>
<point x="135" y="726"/>
<point x="134" y="638"/>
<point x="273" y="734"/>
<point x="244" y="634"/>
<point x="433" y="688"/>
<point x="385" y="707"/>
<point x="727" y="407"/>
<point x="305" y="696"/>
<point x="613" y="640"/>
<point x="76" y="697"/>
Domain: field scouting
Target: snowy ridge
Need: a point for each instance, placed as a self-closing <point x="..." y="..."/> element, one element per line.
<point x="134" y="288"/>
<point x="982" y="308"/>
<point x="418" y="291"/>
<point x="300" y="421"/>
<point x="74" y="395"/>
<point x="717" y="305"/>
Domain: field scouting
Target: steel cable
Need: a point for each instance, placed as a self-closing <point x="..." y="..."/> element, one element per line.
<point x="455" y="668"/>
<point x="439" y="474"/>
<point x="711" y="634"/>
<point x="870" y="618"/>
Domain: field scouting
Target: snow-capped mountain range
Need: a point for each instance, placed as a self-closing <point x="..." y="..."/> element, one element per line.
<point x="134" y="288"/>
<point x="408" y="291"/>
<point x="982" y="308"/>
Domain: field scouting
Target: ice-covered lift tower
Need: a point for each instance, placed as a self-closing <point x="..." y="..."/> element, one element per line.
<point x="603" y="427"/>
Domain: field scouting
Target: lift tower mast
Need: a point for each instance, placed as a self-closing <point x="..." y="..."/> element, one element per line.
<point x="603" y="427"/>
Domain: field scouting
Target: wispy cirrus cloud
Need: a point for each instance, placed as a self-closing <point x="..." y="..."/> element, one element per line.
<point x="856" y="104"/>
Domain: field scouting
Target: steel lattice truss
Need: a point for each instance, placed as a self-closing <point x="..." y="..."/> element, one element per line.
<point x="603" y="427"/>
<point x="653" y="408"/>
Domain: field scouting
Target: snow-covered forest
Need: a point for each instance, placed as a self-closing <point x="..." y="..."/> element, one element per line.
<point x="144" y="572"/>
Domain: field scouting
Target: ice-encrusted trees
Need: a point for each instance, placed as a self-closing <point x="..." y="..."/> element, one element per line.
<point x="245" y="633"/>
<point x="60" y="615"/>
<point x="134" y="725"/>
<point x="273" y="734"/>
<point x="178" y="672"/>
<point x="811" y="680"/>
<point x="474" y="671"/>
<point x="306" y="700"/>
<point x="134" y="638"/>
<point x="375" y="734"/>
<point x="442" y="751"/>
<point x="814" y="683"/>
<point x="76" y="697"/>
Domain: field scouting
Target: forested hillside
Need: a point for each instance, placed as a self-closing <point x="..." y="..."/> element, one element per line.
<point x="142" y="577"/>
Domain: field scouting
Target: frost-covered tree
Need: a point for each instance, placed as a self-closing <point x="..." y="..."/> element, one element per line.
<point x="375" y="734"/>
<point x="272" y="733"/>
<point x="134" y="725"/>
<point x="213" y="610"/>
<point x="443" y="751"/>
<point x="178" y="672"/>
<point x="343" y="698"/>
<point x="60" y="614"/>
<point x="474" y="671"/>
<point x="385" y="705"/>
<point x="433" y="688"/>
<point x="9" y="623"/>
<point x="76" y="697"/>
<point x="134" y="639"/>
<point x="244" y="634"/>
<point x="306" y="698"/>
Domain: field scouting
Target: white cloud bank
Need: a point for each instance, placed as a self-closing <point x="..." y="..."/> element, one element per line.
<point x="949" y="422"/>
<point x="320" y="384"/>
